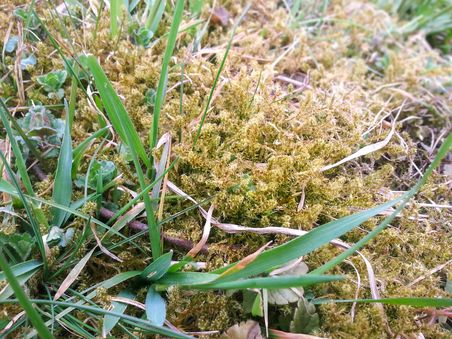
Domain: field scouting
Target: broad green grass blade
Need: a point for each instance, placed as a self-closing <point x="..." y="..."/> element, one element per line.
<point x="23" y="268"/>
<point x="269" y="282"/>
<point x="187" y="278"/>
<point x="23" y="271"/>
<point x="155" y="15"/>
<point x="22" y="298"/>
<point x="116" y="112"/>
<point x="415" y="302"/>
<point x="305" y="244"/>
<point x="155" y="307"/>
<point x="217" y="77"/>
<point x="442" y="152"/>
<point x="110" y="321"/>
<point x="6" y="292"/>
<point x="115" y="7"/>
<point x="62" y="187"/>
<point x="161" y="89"/>
<point x="158" y="267"/>
<point x="123" y="125"/>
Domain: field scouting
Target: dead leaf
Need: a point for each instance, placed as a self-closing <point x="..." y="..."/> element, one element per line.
<point x="245" y="330"/>
<point x="220" y="17"/>
<point x="205" y="235"/>
<point x="245" y="261"/>
<point x="73" y="274"/>
<point x="286" y="335"/>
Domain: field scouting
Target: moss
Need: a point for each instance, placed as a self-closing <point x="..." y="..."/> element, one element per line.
<point x="204" y="311"/>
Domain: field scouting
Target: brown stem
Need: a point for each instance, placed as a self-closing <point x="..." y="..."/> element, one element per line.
<point x="134" y="224"/>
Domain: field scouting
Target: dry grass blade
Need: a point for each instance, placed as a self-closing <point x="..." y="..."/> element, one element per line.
<point x="73" y="274"/>
<point x="245" y="261"/>
<point x="102" y="248"/>
<point x="432" y="271"/>
<point x="285" y="335"/>
<point x="205" y="234"/>
<point x="369" y="148"/>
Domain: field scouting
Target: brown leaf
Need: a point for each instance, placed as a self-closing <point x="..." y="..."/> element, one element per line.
<point x="220" y="17"/>
<point x="73" y="274"/>
<point x="285" y="335"/>
<point x="244" y="330"/>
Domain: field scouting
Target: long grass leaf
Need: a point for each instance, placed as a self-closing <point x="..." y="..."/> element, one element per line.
<point x="20" y="162"/>
<point x="161" y="88"/>
<point x="115" y="111"/>
<point x="217" y="77"/>
<point x="62" y="187"/>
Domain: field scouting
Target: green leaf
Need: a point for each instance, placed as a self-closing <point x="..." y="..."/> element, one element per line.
<point x="8" y="291"/>
<point x="123" y="125"/>
<point x="158" y="267"/>
<point x="22" y="268"/>
<point x="257" y="310"/>
<point x="161" y="88"/>
<point x="110" y="321"/>
<point x="273" y="282"/>
<point x="305" y="318"/>
<point x="115" y="110"/>
<point x="24" y="301"/>
<point x="52" y="81"/>
<point x="155" y="15"/>
<point x="62" y="187"/>
<point x="20" y="243"/>
<point x="83" y="146"/>
<point x="103" y="169"/>
<point x="186" y="278"/>
<point x="442" y="152"/>
<point x="155" y="307"/>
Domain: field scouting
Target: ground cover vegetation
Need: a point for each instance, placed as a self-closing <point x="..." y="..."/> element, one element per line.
<point x="225" y="169"/>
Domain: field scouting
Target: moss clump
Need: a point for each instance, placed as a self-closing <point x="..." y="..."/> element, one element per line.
<point x="205" y="311"/>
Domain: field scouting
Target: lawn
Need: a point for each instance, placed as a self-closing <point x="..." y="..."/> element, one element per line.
<point x="225" y="169"/>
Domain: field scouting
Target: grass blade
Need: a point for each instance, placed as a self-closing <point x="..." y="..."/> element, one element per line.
<point x="270" y="282"/>
<point x="110" y="321"/>
<point x="123" y="125"/>
<point x="161" y="89"/>
<point x="217" y="77"/>
<point x="20" y="162"/>
<point x="34" y="224"/>
<point x="97" y="310"/>
<point x="155" y="307"/>
<point x="116" y="112"/>
<point x="22" y="298"/>
<point x="115" y="6"/>
<point x="62" y="187"/>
